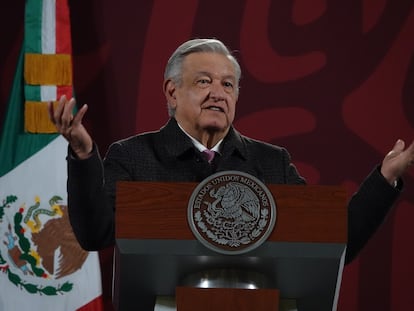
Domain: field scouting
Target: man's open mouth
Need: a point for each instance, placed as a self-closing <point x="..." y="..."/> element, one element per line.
<point x="215" y="108"/>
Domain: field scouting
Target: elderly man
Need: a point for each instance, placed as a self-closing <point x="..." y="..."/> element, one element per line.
<point x="201" y="86"/>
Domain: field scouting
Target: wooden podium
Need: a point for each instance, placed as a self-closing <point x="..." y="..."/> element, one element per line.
<point x="156" y="250"/>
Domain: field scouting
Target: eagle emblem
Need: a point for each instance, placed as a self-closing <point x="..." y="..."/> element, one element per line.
<point x="38" y="250"/>
<point x="231" y="212"/>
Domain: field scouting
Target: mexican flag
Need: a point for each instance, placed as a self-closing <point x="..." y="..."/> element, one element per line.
<point x="42" y="267"/>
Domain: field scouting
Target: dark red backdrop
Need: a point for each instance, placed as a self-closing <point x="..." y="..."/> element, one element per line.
<point x="331" y="81"/>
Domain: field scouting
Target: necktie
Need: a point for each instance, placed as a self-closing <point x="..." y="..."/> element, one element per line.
<point x="209" y="155"/>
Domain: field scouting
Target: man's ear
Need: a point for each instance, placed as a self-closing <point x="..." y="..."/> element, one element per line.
<point x="169" y="91"/>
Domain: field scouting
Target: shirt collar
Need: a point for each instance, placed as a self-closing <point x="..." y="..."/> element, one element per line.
<point x="200" y="147"/>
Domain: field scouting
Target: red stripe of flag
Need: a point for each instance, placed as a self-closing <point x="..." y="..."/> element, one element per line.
<point x="63" y="38"/>
<point x="94" y="305"/>
<point x="64" y="90"/>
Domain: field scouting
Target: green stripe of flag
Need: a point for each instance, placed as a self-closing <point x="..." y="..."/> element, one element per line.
<point x="16" y="145"/>
<point x="32" y="92"/>
<point x="33" y="26"/>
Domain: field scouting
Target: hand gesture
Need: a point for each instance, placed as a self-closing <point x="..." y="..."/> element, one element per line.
<point x="397" y="161"/>
<point x="71" y="127"/>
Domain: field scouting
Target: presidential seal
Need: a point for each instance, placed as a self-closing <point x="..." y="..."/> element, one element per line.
<point x="231" y="212"/>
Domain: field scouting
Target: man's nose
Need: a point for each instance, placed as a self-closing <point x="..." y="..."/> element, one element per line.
<point x="217" y="92"/>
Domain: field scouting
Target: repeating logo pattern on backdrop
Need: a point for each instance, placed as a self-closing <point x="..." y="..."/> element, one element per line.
<point x="38" y="249"/>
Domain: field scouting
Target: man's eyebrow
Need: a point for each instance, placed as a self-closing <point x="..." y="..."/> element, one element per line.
<point x="203" y="73"/>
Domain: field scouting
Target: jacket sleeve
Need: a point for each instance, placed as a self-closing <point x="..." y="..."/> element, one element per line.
<point x="91" y="209"/>
<point x="367" y="210"/>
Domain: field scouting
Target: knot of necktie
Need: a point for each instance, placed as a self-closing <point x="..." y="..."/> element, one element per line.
<point x="209" y="155"/>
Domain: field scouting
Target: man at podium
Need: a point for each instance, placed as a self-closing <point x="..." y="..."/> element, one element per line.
<point x="201" y="86"/>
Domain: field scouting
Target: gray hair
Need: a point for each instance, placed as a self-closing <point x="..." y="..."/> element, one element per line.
<point x="173" y="69"/>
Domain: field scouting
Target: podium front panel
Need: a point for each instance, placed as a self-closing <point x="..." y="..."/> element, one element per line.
<point x="156" y="250"/>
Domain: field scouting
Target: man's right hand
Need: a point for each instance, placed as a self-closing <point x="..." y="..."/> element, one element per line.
<point x="70" y="126"/>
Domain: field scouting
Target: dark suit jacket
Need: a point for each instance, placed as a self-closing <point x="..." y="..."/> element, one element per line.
<point x="169" y="155"/>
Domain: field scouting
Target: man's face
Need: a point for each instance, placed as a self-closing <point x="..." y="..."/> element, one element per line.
<point x="205" y="101"/>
